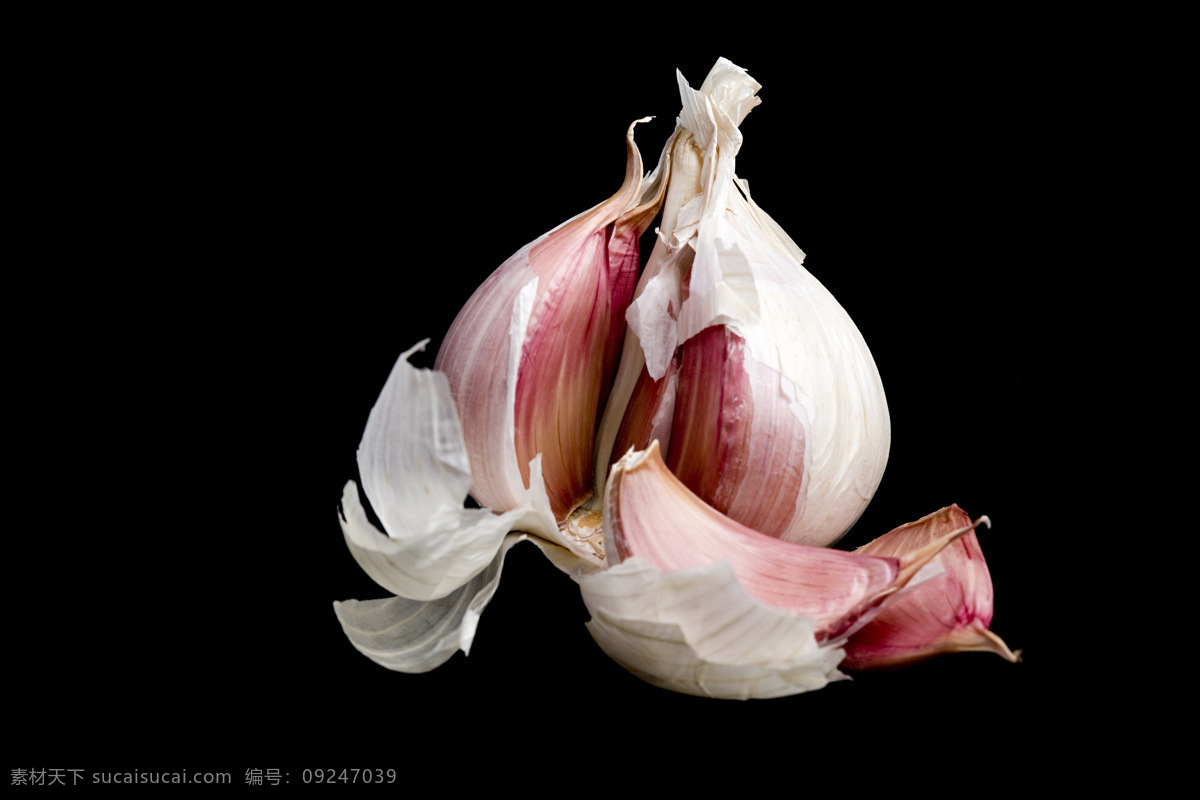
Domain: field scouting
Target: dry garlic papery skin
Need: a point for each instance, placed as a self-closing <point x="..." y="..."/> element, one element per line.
<point x="531" y="357"/>
<point x="441" y="560"/>
<point x="948" y="615"/>
<point x="758" y="386"/>
<point x="697" y="631"/>
<point x="408" y="635"/>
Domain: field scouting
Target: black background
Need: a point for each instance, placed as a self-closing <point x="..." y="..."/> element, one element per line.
<point x="238" y="233"/>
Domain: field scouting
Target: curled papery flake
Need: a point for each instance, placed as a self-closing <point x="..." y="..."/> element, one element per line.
<point x="698" y="632"/>
<point x="416" y="636"/>
<point x="414" y="469"/>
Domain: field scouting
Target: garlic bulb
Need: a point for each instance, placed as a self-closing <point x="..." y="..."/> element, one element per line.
<point x="684" y="450"/>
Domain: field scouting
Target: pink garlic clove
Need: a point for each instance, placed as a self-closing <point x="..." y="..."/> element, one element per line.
<point x="651" y="515"/>
<point x="948" y="615"/>
<point x="531" y="356"/>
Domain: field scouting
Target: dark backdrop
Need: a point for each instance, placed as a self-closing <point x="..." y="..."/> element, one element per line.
<point x="239" y="233"/>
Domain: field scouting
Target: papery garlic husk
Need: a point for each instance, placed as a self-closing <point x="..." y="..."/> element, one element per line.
<point x="697" y="631"/>
<point x="441" y="560"/>
<point x="949" y="615"/>
<point x="684" y="554"/>
<point x="531" y="356"/>
<point x="756" y="382"/>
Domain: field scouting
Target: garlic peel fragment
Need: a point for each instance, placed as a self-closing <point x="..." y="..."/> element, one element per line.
<point x="697" y="631"/>
<point x="409" y="635"/>
<point x="441" y="560"/>
<point x="414" y="636"/>
<point x="415" y="473"/>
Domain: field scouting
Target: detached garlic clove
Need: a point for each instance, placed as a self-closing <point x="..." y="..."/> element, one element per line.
<point x="702" y="605"/>
<point x="531" y="356"/>
<point x="947" y="615"/>
<point x="650" y="515"/>
<point x="757" y="384"/>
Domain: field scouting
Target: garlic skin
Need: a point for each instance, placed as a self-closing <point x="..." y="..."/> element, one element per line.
<point x="441" y="561"/>
<point x="698" y="632"/>
<point x="949" y="615"/>
<point x="531" y="356"/>
<point x="759" y="387"/>
<point x="415" y="473"/>
<point x="409" y="635"/>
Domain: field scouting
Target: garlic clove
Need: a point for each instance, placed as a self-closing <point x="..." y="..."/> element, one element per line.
<point x="948" y="615"/>
<point x="697" y="631"/>
<point x="432" y="437"/>
<point x="798" y="412"/>
<point x="649" y="514"/>
<point x="825" y="370"/>
<point x="727" y="428"/>
<point x="532" y="354"/>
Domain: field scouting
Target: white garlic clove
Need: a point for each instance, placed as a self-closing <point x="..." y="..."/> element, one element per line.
<point x="754" y="380"/>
